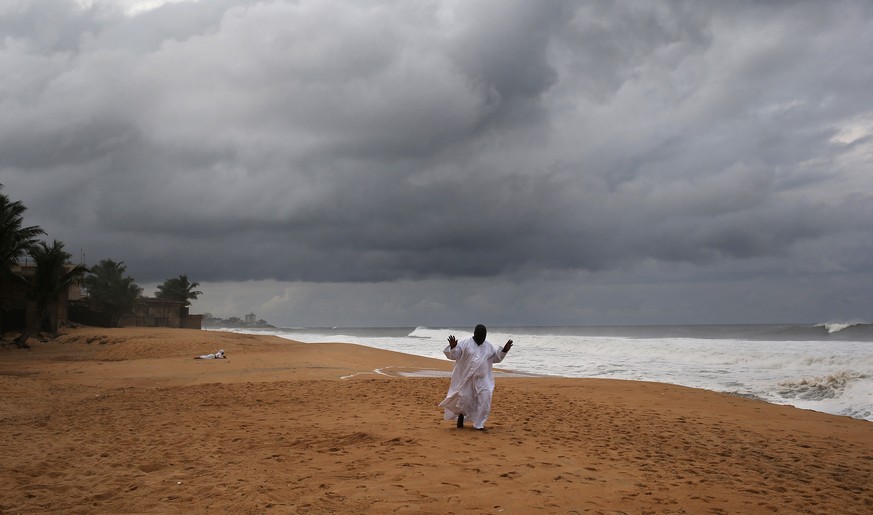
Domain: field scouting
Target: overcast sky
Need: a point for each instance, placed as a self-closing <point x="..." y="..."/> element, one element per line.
<point x="341" y="163"/>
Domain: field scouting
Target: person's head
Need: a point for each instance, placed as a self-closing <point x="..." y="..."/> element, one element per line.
<point x="479" y="334"/>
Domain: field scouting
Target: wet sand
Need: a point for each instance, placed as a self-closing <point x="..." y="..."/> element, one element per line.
<point x="124" y="420"/>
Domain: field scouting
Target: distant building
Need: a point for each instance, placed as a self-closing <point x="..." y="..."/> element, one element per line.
<point x="234" y="322"/>
<point x="154" y="312"/>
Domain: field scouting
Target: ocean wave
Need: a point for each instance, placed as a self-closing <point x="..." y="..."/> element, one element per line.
<point x="818" y="388"/>
<point x="438" y="334"/>
<point x="835" y="327"/>
<point x="855" y="330"/>
<point x="419" y="332"/>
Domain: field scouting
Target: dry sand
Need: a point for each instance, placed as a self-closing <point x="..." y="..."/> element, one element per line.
<point x="120" y="421"/>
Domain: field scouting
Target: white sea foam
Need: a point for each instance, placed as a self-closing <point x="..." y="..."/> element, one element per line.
<point x="818" y="388"/>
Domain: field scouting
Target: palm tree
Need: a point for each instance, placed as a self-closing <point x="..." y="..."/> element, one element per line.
<point x="52" y="277"/>
<point x="110" y="291"/>
<point x="15" y="242"/>
<point x="179" y="289"/>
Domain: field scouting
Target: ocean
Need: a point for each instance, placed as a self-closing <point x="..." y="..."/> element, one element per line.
<point x="823" y="367"/>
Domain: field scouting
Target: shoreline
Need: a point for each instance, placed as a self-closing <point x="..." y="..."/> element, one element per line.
<point x="827" y="377"/>
<point x="130" y="422"/>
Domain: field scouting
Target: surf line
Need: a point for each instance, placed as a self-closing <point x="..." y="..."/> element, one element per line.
<point x="377" y="371"/>
<point x="419" y="372"/>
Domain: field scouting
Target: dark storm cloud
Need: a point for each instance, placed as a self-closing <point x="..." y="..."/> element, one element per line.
<point x="379" y="141"/>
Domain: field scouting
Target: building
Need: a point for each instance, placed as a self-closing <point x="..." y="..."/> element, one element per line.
<point x="154" y="312"/>
<point x="16" y="308"/>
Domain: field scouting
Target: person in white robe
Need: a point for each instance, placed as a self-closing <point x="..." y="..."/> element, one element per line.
<point x="218" y="355"/>
<point x="472" y="379"/>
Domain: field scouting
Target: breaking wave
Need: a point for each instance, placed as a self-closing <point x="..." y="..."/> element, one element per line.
<point x="835" y="327"/>
<point x="818" y="388"/>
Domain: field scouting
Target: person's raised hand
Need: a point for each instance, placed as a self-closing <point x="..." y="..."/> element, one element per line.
<point x="452" y="341"/>
<point x="507" y="346"/>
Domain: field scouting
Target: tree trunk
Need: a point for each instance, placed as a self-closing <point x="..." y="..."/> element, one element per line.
<point x="32" y="319"/>
<point x="50" y="319"/>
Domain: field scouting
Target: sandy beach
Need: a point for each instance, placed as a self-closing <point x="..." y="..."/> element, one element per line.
<point x="124" y="420"/>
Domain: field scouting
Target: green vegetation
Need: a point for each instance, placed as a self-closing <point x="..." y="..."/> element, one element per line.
<point x="110" y="291"/>
<point x="30" y="295"/>
<point x="15" y="241"/>
<point x="51" y="280"/>
<point x="179" y="289"/>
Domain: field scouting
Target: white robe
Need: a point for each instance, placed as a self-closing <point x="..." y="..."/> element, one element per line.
<point x="472" y="381"/>
<point x="217" y="355"/>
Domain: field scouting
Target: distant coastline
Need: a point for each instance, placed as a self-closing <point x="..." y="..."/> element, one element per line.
<point x="212" y="322"/>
